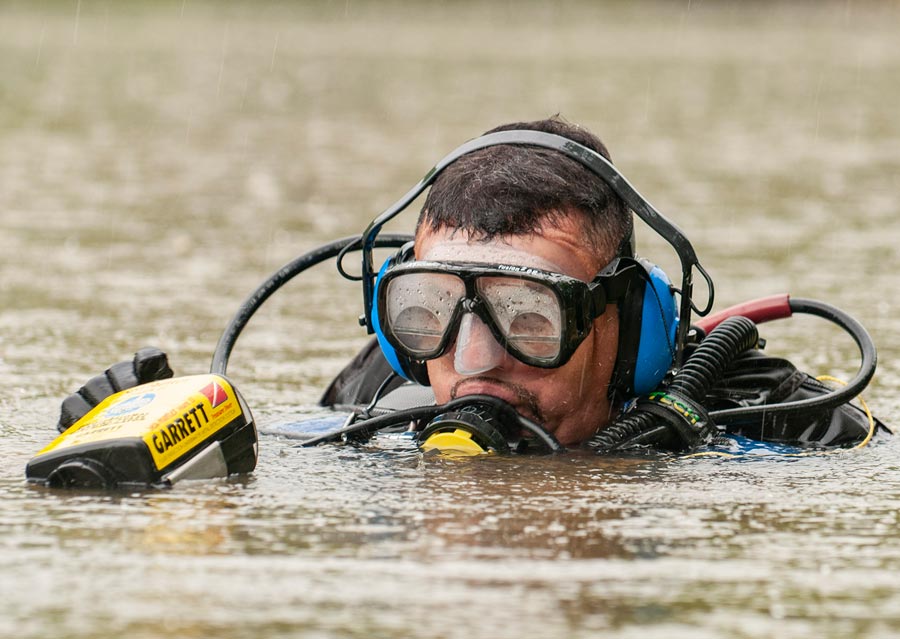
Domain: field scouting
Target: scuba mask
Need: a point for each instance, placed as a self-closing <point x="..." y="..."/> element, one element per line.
<point x="537" y="316"/>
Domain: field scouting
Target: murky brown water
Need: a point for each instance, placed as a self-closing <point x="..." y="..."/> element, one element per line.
<point x="157" y="162"/>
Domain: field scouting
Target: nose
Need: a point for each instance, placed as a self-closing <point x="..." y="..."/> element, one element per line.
<point x="476" y="349"/>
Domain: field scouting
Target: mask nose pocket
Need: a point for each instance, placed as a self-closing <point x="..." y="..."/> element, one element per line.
<point x="476" y="349"/>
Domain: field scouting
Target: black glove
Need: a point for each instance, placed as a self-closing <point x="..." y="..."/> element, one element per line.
<point x="149" y="364"/>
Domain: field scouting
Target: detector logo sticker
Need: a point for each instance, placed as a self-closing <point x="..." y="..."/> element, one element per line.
<point x="215" y="394"/>
<point x="210" y="406"/>
<point x="129" y="405"/>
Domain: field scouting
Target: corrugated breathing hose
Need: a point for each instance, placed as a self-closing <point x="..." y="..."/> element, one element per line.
<point x="673" y="417"/>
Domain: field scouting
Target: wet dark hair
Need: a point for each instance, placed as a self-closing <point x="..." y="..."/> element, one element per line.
<point x="513" y="189"/>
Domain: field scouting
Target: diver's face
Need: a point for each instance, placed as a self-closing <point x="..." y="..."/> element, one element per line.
<point x="571" y="401"/>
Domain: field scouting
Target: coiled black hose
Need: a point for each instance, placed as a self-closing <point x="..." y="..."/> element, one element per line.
<point x="707" y="364"/>
<point x="673" y="418"/>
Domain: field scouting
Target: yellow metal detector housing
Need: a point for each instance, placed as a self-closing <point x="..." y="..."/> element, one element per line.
<point x="155" y="434"/>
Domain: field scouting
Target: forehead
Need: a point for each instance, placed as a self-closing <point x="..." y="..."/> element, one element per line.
<point x="559" y="248"/>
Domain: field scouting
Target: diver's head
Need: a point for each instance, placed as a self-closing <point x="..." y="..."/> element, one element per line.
<point x="527" y="214"/>
<point x="535" y="208"/>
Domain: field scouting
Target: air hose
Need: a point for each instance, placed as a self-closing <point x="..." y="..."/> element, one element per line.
<point x="781" y="306"/>
<point x="281" y="277"/>
<point x="480" y="410"/>
<point x="672" y="417"/>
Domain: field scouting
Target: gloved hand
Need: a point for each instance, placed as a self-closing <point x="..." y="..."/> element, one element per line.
<point x="149" y="364"/>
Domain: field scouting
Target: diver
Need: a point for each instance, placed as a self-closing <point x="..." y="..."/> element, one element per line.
<point x="520" y="316"/>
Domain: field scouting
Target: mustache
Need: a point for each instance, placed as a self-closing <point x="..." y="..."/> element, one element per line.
<point x="524" y="397"/>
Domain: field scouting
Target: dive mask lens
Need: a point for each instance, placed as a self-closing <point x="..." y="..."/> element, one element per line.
<point x="527" y="313"/>
<point x="419" y="308"/>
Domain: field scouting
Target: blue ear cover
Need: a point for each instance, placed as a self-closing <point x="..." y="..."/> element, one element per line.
<point x="659" y="323"/>
<point x="390" y="354"/>
<point x="412" y="370"/>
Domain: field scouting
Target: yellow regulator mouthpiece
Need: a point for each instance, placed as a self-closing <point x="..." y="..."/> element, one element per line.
<point x="471" y="430"/>
<point x="457" y="441"/>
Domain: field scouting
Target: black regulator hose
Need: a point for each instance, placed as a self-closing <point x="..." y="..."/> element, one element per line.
<point x="364" y="428"/>
<point x="673" y="418"/>
<point x="281" y="277"/>
<point x="826" y="401"/>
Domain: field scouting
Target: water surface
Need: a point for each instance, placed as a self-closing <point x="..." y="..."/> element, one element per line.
<point x="158" y="161"/>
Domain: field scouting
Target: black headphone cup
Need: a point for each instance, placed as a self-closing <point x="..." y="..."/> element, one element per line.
<point x="417" y="371"/>
<point x="630" y="318"/>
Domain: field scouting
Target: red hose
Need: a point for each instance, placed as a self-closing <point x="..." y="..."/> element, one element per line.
<point x="760" y="310"/>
